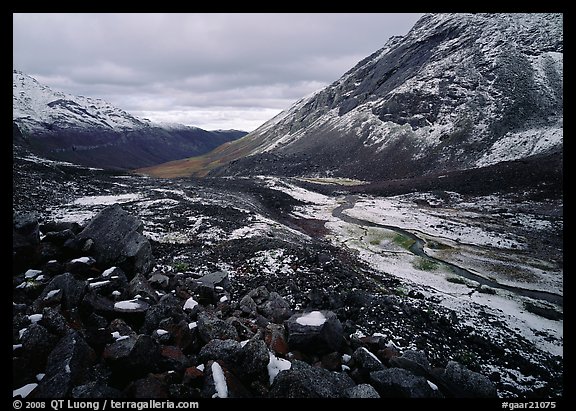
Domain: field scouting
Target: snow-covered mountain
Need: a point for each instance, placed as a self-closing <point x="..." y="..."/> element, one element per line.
<point x="458" y="91"/>
<point x="93" y="132"/>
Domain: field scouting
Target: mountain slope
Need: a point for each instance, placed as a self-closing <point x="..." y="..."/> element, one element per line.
<point x="94" y="133"/>
<point x="458" y="91"/>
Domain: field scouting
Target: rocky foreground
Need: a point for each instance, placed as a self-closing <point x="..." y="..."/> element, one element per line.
<point x="92" y="318"/>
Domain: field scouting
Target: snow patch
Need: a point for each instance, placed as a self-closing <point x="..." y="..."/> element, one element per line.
<point x="108" y="271"/>
<point x="190" y="304"/>
<point x="107" y="200"/>
<point x="313" y="318"/>
<point x="219" y="381"/>
<point x="275" y="365"/>
<point x="161" y="332"/>
<point x="24" y="391"/>
<point x="35" y="318"/>
<point x="32" y="273"/>
<point x="127" y="305"/>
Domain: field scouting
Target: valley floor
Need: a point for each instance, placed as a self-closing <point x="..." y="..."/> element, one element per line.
<point x="478" y="279"/>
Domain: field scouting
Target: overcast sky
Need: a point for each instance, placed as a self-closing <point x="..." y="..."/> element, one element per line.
<point x="215" y="71"/>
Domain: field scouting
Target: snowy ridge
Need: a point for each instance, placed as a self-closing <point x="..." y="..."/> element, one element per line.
<point x="35" y="106"/>
<point x="458" y="91"/>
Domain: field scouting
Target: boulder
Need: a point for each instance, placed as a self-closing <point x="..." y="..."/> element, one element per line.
<point x="470" y="383"/>
<point x="227" y="351"/>
<point x="118" y="241"/>
<point x="361" y="391"/>
<point x="315" y="332"/>
<point x="37" y="343"/>
<point x="149" y="387"/>
<point x="159" y="280"/>
<point x="59" y="237"/>
<point x="276" y="308"/>
<point x="72" y="292"/>
<point x="276" y="339"/>
<point x="248" y="306"/>
<point x="140" y="286"/>
<point x="254" y="358"/>
<point x="367" y="361"/>
<point x="66" y="367"/>
<point x="132" y="357"/>
<point x="215" y="279"/>
<point x="304" y="381"/>
<point x="397" y="382"/>
<point x="54" y="322"/>
<point x="211" y="327"/>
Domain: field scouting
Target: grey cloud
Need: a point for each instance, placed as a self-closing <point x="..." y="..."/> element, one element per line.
<point x="162" y="62"/>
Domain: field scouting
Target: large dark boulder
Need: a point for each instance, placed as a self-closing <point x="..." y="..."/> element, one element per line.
<point x="367" y="361"/>
<point x="67" y="367"/>
<point x="315" y="332"/>
<point x="470" y="383"/>
<point x="227" y="351"/>
<point x="211" y="327"/>
<point x="304" y="381"/>
<point x="72" y="292"/>
<point x="397" y="382"/>
<point x="118" y="241"/>
<point x="276" y="308"/>
<point x="132" y="357"/>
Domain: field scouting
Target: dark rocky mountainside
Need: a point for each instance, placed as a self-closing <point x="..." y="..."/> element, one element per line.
<point x="458" y="91"/>
<point x="94" y="133"/>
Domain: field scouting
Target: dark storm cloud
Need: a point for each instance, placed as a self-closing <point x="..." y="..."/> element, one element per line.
<point x="211" y="66"/>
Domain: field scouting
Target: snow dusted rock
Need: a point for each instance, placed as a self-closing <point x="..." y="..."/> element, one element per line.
<point x="367" y="361"/>
<point x="215" y="279"/>
<point x="211" y="327"/>
<point x="37" y="343"/>
<point x="304" y="381"/>
<point x="54" y="322"/>
<point x="412" y="360"/>
<point x="132" y="357"/>
<point x="118" y="241"/>
<point x="315" y="332"/>
<point x="219" y="382"/>
<point x="397" y="382"/>
<point x="72" y="291"/>
<point x="361" y="391"/>
<point x="227" y="351"/>
<point x="470" y="383"/>
<point x="67" y="367"/>
<point x="248" y="306"/>
<point x="82" y="266"/>
<point x="254" y="359"/>
<point x="139" y="286"/>
<point x="276" y="308"/>
<point x="159" y="280"/>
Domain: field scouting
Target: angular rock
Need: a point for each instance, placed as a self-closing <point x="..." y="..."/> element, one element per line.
<point x="244" y="333"/>
<point x="59" y="237"/>
<point x="37" y="343"/>
<point x="72" y="291"/>
<point x="173" y="358"/>
<point x="215" y="279"/>
<point x="132" y="357"/>
<point x="248" y="306"/>
<point x="192" y="375"/>
<point x="54" y="322"/>
<point x="210" y="327"/>
<point x="118" y="241"/>
<point x="139" y="286"/>
<point x="315" y="332"/>
<point x="83" y="267"/>
<point x="226" y="350"/>
<point x="413" y="361"/>
<point x="397" y="382"/>
<point x="157" y="313"/>
<point x="470" y="383"/>
<point x="159" y="280"/>
<point x="367" y="361"/>
<point x="66" y="367"/>
<point x="276" y="308"/>
<point x="332" y="361"/>
<point x="254" y="359"/>
<point x="259" y="295"/>
<point x="304" y="381"/>
<point x="361" y="391"/>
